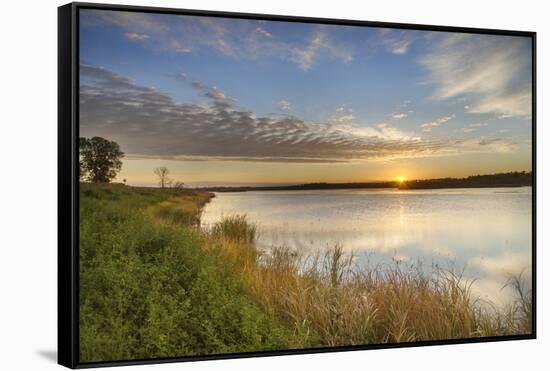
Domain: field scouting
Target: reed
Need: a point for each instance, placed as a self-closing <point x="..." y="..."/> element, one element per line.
<point x="328" y="300"/>
<point x="154" y="284"/>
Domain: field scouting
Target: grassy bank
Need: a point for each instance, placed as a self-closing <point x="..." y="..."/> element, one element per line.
<point x="327" y="300"/>
<point x="149" y="289"/>
<point x="153" y="284"/>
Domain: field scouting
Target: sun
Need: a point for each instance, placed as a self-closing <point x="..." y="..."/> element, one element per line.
<point x="401" y="179"/>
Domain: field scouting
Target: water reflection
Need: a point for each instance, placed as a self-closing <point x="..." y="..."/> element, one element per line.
<point x="486" y="232"/>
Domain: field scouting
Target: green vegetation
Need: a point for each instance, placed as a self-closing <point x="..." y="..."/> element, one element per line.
<point x="100" y="159"/>
<point x="149" y="289"/>
<point x="153" y="284"/>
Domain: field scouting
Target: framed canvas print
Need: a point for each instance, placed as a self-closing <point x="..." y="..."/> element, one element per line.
<point x="236" y="185"/>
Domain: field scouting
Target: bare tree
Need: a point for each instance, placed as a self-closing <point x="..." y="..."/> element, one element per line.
<point x="179" y="185"/>
<point x="162" y="174"/>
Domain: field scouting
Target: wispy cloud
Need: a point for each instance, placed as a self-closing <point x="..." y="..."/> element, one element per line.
<point x="177" y="47"/>
<point x="397" y="41"/>
<point x="506" y="263"/>
<point x="344" y="114"/>
<point x="399" y="116"/>
<point x="236" y="38"/>
<point x="510" y="103"/>
<point x="134" y="36"/>
<point x="320" y="43"/>
<point x="284" y="105"/>
<point x="493" y="72"/>
<point x="344" y="118"/>
<point x="264" y="32"/>
<point x="131" y="21"/>
<point x="149" y="123"/>
<point x="428" y="126"/>
<point x="474" y="127"/>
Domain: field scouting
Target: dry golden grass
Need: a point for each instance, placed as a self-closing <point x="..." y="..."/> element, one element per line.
<point x="153" y="284"/>
<point x="185" y="208"/>
<point x="329" y="301"/>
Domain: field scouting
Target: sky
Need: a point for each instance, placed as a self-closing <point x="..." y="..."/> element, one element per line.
<point x="223" y="101"/>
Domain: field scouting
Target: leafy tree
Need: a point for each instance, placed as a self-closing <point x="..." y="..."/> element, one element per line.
<point x="162" y="173"/>
<point x="99" y="159"/>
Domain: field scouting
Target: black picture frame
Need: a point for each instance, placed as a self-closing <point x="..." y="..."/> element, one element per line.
<point x="68" y="184"/>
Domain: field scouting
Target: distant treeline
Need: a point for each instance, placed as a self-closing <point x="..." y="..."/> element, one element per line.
<point x="511" y="179"/>
<point x="301" y="187"/>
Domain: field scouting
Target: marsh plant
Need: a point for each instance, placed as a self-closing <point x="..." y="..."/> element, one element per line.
<point x="329" y="300"/>
<point x="153" y="283"/>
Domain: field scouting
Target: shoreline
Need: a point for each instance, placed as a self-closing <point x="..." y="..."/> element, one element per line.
<point x="141" y="254"/>
<point x="499" y="180"/>
<point x="270" y="189"/>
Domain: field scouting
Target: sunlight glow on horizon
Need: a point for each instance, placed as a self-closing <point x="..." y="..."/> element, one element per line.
<point x="300" y="103"/>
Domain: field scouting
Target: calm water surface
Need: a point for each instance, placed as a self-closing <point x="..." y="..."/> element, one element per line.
<point x="485" y="232"/>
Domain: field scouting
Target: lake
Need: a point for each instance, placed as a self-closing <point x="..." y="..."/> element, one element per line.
<point x="485" y="233"/>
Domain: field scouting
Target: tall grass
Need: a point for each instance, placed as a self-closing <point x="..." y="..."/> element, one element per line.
<point x="235" y="228"/>
<point x="522" y="309"/>
<point x="153" y="284"/>
<point x="185" y="208"/>
<point x="149" y="289"/>
<point x="328" y="300"/>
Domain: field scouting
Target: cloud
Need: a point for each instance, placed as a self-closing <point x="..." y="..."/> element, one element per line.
<point x="397" y="41"/>
<point x="133" y="36"/>
<point x="486" y="144"/>
<point x="177" y="47"/>
<point x="493" y="72"/>
<point x="344" y="114"/>
<point x="516" y="102"/>
<point x="198" y="85"/>
<point x="105" y="79"/>
<point x="148" y="123"/>
<point x="398" y="116"/>
<point x="474" y="127"/>
<point x="505" y="263"/>
<point x="284" y="105"/>
<point x="218" y="97"/>
<point x="320" y="44"/>
<point x="343" y="118"/>
<point x="428" y="126"/>
<point x="235" y="38"/>
<point x="479" y="125"/>
<point x="131" y="21"/>
<point x="216" y="94"/>
<point x="264" y="32"/>
<point x="234" y="159"/>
